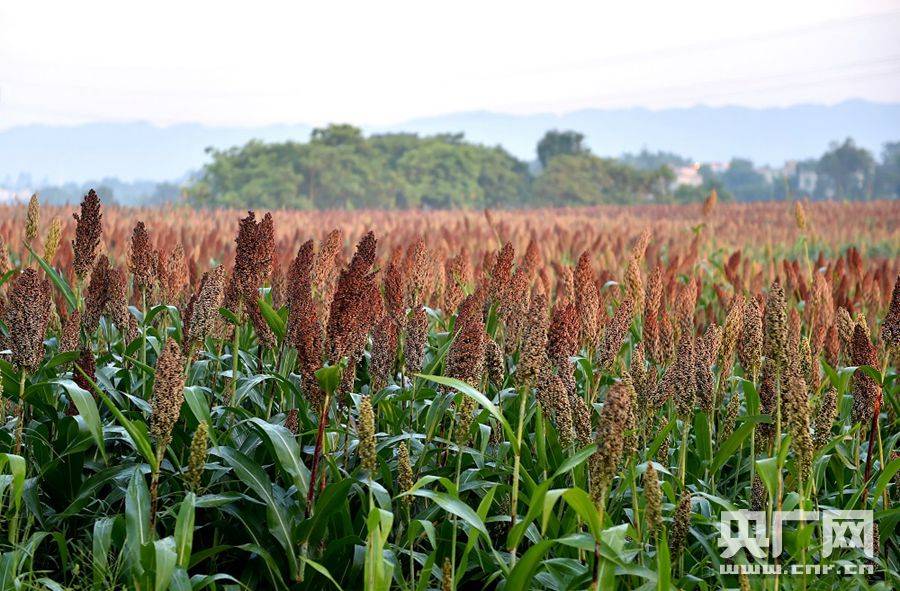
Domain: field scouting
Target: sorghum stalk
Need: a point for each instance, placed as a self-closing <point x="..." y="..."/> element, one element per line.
<point x="517" y="450"/>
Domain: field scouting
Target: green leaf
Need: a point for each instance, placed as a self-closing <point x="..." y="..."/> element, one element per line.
<point x="137" y="518"/>
<point x="58" y="281"/>
<point x="87" y="408"/>
<point x="141" y="442"/>
<point x="272" y="319"/>
<point x="101" y="544"/>
<point x="17" y="471"/>
<point x="727" y="449"/>
<point x="575" y="460"/>
<point x="885" y="478"/>
<point x="663" y="564"/>
<point x="329" y="377"/>
<point x="184" y="531"/>
<point x="522" y="574"/>
<point x="164" y="551"/>
<point x="480" y="398"/>
<point x="455" y="506"/>
<point x="287" y="451"/>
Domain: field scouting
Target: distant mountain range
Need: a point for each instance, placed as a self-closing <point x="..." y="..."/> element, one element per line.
<point x="129" y="151"/>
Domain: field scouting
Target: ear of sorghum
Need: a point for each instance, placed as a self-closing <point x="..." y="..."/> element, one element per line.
<point x="5" y="264"/>
<point x="384" y="353"/>
<point x="681" y="524"/>
<point x="404" y="471"/>
<point x="652" y="303"/>
<point x="634" y="285"/>
<point x="87" y="234"/>
<point x="85" y="363"/>
<point x="562" y="335"/>
<point x="866" y="391"/>
<point x="533" y="360"/>
<point x="614" y="419"/>
<point x="775" y="325"/>
<point x="394" y="293"/>
<point x="176" y="275"/>
<point x="304" y="331"/>
<point x="51" y="241"/>
<point x="750" y="347"/>
<point x="825" y="418"/>
<point x="666" y="342"/>
<point x="204" y="305"/>
<point x="706" y="347"/>
<point x="832" y="345"/>
<point x="644" y="384"/>
<point x="368" y="457"/>
<point x="557" y="397"/>
<point x="734" y="324"/>
<point x="845" y="326"/>
<point x="32" y="219"/>
<point x="494" y="363"/>
<point x="796" y="412"/>
<point x="27" y="315"/>
<point x="890" y="328"/>
<point x="514" y="309"/>
<point x="277" y="285"/>
<point x="96" y="296"/>
<point x="117" y="303"/>
<point x="246" y="273"/>
<point x="758" y="494"/>
<point x="465" y="357"/>
<point x="581" y="416"/>
<point x="709" y="204"/>
<point x="800" y="215"/>
<point x="615" y="333"/>
<point x="652" y="499"/>
<point x="768" y="396"/>
<point x="447" y="573"/>
<point x="71" y="332"/>
<point x="731" y="413"/>
<point x="457" y="280"/>
<point x="355" y="306"/>
<point x="168" y="393"/>
<point x="501" y="273"/>
<point x="416" y="339"/>
<point x="683" y="378"/>
<point x="142" y="259"/>
<point x="325" y="270"/>
<point x="197" y="457"/>
<point x="417" y="265"/>
<point x="662" y="454"/>
<point x="587" y="300"/>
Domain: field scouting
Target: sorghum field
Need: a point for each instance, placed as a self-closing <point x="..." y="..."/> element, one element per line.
<point x="544" y="399"/>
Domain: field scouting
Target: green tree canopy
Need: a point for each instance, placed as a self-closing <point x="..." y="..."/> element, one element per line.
<point x="559" y="143"/>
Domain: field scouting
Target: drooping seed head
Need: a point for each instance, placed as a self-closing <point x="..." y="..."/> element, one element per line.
<point x="32" y="219"/>
<point x="681" y="524"/>
<point x="652" y="499"/>
<point x="142" y="259"/>
<point x="866" y="391"/>
<point x="51" y="241"/>
<point x="614" y="418"/>
<point x="197" y="457"/>
<point x="775" y="324"/>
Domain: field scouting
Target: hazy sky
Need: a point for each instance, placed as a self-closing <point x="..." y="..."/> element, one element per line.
<point x="380" y="63"/>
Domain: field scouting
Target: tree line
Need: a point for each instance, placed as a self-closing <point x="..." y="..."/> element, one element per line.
<point x="340" y="167"/>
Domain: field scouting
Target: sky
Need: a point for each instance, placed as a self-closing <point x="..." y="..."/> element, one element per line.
<point x="382" y="63"/>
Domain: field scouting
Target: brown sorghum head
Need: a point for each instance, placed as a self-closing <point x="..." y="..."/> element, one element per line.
<point x="684" y="377"/>
<point x="501" y="274"/>
<point x="394" y="293"/>
<point x="681" y="524"/>
<point x="775" y="325"/>
<point x="533" y="360"/>
<point x="27" y="315"/>
<point x="457" y="280"/>
<point x="175" y="279"/>
<point x="494" y="363"/>
<point x="404" y="471"/>
<point x="88" y="365"/>
<point x="384" y="353"/>
<point x="587" y="300"/>
<point x="866" y="391"/>
<point x="168" y="393"/>
<point x="71" y="332"/>
<point x="845" y="326"/>
<point x="557" y="395"/>
<point x="416" y="339"/>
<point x="734" y="325"/>
<point x="356" y="304"/>
<point x="87" y="234"/>
<point x="758" y="494"/>
<point x="204" y="305"/>
<point x="615" y="333"/>
<point x="465" y="358"/>
<point x="96" y="296"/>
<point x="825" y="418"/>
<point x="890" y="328"/>
<point x="750" y="347"/>
<point x="417" y="265"/>
<point x="562" y="336"/>
<point x="368" y="457"/>
<point x="142" y="260"/>
<point x="652" y="499"/>
<point x="614" y="417"/>
<point x="796" y="413"/>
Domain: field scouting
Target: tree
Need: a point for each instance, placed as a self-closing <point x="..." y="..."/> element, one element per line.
<point x="646" y="160"/>
<point x="744" y="182"/>
<point x="887" y="173"/>
<point x="847" y="170"/>
<point x="557" y="143"/>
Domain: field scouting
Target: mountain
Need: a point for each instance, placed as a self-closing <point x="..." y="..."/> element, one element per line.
<point x="768" y="136"/>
